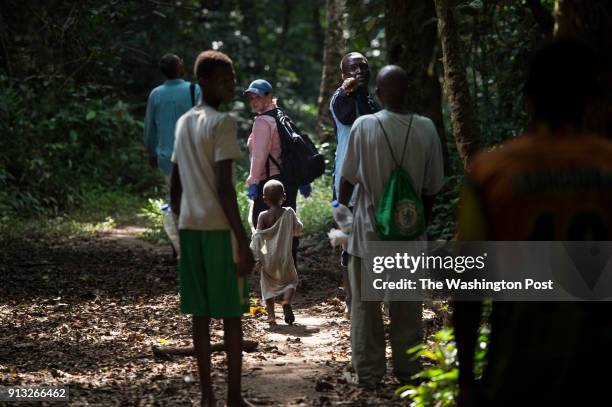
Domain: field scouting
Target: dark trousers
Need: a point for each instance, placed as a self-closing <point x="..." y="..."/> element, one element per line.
<point x="259" y="206"/>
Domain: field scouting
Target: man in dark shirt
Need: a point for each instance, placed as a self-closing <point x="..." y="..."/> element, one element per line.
<point x="351" y="100"/>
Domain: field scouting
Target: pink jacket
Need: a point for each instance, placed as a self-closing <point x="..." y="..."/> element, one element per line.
<point x="262" y="142"/>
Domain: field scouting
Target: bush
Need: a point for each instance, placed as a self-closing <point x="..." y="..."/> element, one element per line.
<point x="439" y="379"/>
<point x="155" y="231"/>
<point x="101" y="211"/>
<point x="315" y="211"/>
<point x="63" y="144"/>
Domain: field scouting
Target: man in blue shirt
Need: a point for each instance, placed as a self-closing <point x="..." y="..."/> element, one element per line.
<point x="166" y="104"/>
<point x="350" y="101"/>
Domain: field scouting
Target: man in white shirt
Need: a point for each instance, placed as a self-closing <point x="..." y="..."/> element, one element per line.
<point x="215" y="254"/>
<point x="369" y="163"/>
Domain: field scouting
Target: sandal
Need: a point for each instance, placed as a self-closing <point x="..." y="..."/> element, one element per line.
<point x="289" y="317"/>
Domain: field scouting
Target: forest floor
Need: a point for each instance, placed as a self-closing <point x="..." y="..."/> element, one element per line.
<point x="87" y="311"/>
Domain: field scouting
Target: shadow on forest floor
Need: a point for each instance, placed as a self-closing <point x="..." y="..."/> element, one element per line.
<point x="86" y="313"/>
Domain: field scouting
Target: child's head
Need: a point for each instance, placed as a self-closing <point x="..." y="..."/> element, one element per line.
<point x="215" y="73"/>
<point x="274" y="193"/>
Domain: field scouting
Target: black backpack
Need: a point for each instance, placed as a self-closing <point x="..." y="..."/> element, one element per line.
<point x="301" y="161"/>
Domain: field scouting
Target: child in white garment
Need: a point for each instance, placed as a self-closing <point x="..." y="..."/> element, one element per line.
<point x="271" y="245"/>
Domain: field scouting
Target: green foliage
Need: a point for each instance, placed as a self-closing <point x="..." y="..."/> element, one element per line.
<point x="366" y="26"/>
<point x="75" y="78"/>
<point x="244" y="204"/>
<point x="100" y="212"/>
<point x="58" y="149"/>
<point x="155" y="221"/>
<point x="315" y="211"/>
<point x="499" y="38"/>
<point x="438" y="385"/>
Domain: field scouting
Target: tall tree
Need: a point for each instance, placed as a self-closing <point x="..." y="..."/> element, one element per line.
<point x="412" y="43"/>
<point x="334" y="48"/>
<point x="592" y="21"/>
<point x="465" y="128"/>
<point x="317" y="28"/>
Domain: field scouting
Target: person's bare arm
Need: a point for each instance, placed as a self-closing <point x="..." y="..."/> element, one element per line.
<point x="428" y="203"/>
<point x="229" y="204"/>
<point x="346" y="191"/>
<point x="176" y="189"/>
<point x="261" y="221"/>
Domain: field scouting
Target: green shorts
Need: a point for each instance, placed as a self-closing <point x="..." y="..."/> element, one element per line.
<point x="208" y="283"/>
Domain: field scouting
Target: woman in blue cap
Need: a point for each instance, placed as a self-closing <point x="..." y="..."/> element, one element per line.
<point x="265" y="153"/>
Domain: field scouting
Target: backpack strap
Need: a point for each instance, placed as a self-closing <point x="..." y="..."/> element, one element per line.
<point x="406" y="139"/>
<point x="274" y="114"/>
<point x="192" y="93"/>
<point x="270" y="158"/>
<point x="389" y="144"/>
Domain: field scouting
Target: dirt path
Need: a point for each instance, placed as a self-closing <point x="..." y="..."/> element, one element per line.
<point x="86" y="313"/>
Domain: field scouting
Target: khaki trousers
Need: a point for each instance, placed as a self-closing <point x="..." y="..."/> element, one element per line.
<point x="368" y="334"/>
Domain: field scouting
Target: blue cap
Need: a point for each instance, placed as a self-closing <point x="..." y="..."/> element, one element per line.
<point x="259" y="87"/>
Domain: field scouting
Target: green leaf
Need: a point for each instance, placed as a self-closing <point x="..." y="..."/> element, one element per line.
<point x="429" y="354"/>
<point x="90" y="115"/>
<point x="73" y="136"/>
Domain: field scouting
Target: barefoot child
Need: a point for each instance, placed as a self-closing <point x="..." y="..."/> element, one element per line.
<point x="212" y="273"/>
<point x="271" y="245"/>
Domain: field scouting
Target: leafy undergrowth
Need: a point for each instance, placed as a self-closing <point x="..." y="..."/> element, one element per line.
<point x="102" y="211"/>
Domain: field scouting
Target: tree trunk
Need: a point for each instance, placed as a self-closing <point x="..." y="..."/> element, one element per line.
<point x="465" y="128"/>
<point x="317" y="29"/>
<point x="592" y="22"/>
<point x="334" y="48"/>
<point x="412" y="43"/>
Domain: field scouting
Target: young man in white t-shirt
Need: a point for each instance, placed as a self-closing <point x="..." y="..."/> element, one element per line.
<point x="215" y="255"/>
<point x="368" y="163"/>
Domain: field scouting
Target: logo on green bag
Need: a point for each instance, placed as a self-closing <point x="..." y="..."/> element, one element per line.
<point x="406" y="216"/>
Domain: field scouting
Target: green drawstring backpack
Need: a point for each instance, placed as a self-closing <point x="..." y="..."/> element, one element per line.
<point x="399" y="214"/>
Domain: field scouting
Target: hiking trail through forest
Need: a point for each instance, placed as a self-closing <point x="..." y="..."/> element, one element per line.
<point x="86" y="312"/>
